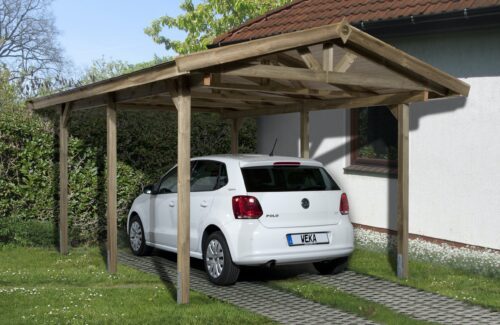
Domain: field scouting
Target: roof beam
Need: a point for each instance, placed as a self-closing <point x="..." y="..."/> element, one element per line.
<point x="260" y="47"/>
<point x="309" y="59"/>
<point x="234" y="97"/>
<point x="277" y="89"/>
<point x="290" y="61"/>
<point x="334" y="78"/>
<point x="345" y="62"/>
<point x="378" y="100"/>
<point x="134" y="79"/>
<point x="400" y="61"/>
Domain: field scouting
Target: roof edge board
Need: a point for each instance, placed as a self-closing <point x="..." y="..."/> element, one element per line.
<point x="259" y="47"/>
<point x="137" y="78"/>
<point x="394" y="57"/>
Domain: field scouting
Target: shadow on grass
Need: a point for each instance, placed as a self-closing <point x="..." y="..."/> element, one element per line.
<point x="165" y="278"/>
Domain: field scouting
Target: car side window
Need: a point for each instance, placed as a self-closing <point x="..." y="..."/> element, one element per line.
<point x="208" y="176"/>
<point x="169" y="183"/>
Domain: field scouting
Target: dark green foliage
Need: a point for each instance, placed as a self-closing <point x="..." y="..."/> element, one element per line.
<point x="147" y="148"/>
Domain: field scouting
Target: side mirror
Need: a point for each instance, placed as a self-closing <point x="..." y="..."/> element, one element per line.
<point x="148" y="189"/>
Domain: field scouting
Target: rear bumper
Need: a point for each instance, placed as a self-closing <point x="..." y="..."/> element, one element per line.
<point x="250" y="243"/>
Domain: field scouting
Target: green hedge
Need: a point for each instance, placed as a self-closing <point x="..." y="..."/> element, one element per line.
<point x="147" y="147"/>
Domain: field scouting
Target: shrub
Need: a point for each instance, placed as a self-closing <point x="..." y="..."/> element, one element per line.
<point x="147" y="147"/>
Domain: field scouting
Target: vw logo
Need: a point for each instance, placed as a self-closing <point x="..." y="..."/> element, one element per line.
<point x="305" y="203"/>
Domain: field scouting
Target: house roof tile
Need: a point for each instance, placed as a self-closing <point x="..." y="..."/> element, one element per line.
<point x="304" y="14"/>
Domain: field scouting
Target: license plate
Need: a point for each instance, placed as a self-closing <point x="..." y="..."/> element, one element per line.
<point x="314" y="238"/>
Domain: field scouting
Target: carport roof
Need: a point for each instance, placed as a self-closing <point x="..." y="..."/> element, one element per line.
<point x="332" y="66"/>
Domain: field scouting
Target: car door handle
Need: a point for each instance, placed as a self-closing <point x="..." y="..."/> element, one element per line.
<point x="204" y="204"/>
<point x="171" y="204"/>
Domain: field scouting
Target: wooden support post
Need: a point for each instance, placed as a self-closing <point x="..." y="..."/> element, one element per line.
<point x="63" y="177"/>
<point x="403" y="185"/>
<point x="328" y="57"/>
<point x="304" y="133"/>
<point x="180" y="92"/>
<point x="235" y="129"/>
<point x="111" y="206"/>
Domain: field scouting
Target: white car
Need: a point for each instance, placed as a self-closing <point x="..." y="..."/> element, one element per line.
<point x="249" y="210"/>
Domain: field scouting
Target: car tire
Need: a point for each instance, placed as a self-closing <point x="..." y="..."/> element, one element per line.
<point x="217" y="260"/>
<point x="137" y="238"/>
<point x="335" y="266"/>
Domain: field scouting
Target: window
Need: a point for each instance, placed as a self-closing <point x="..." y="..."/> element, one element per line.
<point x="287" y="179"/>
<point x="374" y="137"/>
<point x="169" y="183"/>
<point x="205" y="176"/>
<point x="208" y="176"/>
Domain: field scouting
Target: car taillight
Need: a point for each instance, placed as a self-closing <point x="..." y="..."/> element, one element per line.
<point x="246" y="207"/>
<point x="344" y="204"/>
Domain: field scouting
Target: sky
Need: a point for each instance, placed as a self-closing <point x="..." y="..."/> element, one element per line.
<point x="111" y="29"/>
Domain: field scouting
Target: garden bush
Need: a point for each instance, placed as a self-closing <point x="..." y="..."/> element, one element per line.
<point x="147" y="147"/>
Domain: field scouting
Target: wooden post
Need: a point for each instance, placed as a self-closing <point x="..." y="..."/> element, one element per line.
<point x="235" y="129"/>
<point x="328" y="56"/>
<point x="403" y="115"/>
<point x="111" y="206"/>
<point x="181" y="95"/>
<point x="63" y="177"/>
<point x="304" y="134"/>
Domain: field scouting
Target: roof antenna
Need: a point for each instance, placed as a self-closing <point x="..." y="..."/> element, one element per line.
<point x="274" y="146"/>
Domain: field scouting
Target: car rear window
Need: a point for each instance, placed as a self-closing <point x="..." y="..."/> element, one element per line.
<point x="287" y="179"/>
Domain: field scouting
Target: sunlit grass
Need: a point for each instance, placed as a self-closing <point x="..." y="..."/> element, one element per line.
<point x="41" y="286"/>
<point x="445" y="280"/>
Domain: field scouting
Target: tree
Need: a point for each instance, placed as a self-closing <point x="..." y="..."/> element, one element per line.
<point x="101" y="69"/>
<point x="28" y="46"/>
<point x="206" y="20"/>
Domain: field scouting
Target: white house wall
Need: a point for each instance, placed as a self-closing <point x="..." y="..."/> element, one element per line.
<point x="454" y="147"/>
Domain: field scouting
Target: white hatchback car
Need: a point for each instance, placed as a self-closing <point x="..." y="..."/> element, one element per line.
<point x="249" y="210"/>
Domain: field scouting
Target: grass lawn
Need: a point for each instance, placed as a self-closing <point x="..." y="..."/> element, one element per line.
<point x="344" y="301"/>
<point x="466" y="286"/>
<point x="40" y="286"/>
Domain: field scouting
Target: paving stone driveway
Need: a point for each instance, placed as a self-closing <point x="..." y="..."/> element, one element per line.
<point x="412" y="302"/>
<point x="256" y="297"/>
<point x="287" y="308"/>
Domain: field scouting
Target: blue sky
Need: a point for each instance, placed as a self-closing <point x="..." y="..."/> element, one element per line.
<point x="113" y="29"/>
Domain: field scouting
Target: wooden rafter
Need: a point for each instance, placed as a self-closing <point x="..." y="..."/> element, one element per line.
<point x="232" y="96"/>
<point x="277" y="89"/>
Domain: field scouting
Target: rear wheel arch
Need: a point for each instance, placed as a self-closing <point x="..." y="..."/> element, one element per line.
<point x="208" y="230"/>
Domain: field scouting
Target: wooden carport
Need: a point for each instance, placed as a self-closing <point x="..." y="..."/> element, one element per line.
<point x="331" y="67"/>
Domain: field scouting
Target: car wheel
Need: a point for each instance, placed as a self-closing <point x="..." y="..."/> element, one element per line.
<point x="137" y="238"/>
<point x="217" y="260"/>
<point x="335" y="266"/>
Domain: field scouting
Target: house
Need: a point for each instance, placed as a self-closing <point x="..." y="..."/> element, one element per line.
<point x="454" y="192"/>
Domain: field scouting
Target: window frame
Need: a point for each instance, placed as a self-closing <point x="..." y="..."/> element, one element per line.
<point x="354" y="147"/>
<point x="218" y="182"/>
<point x="194" y="163"/>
